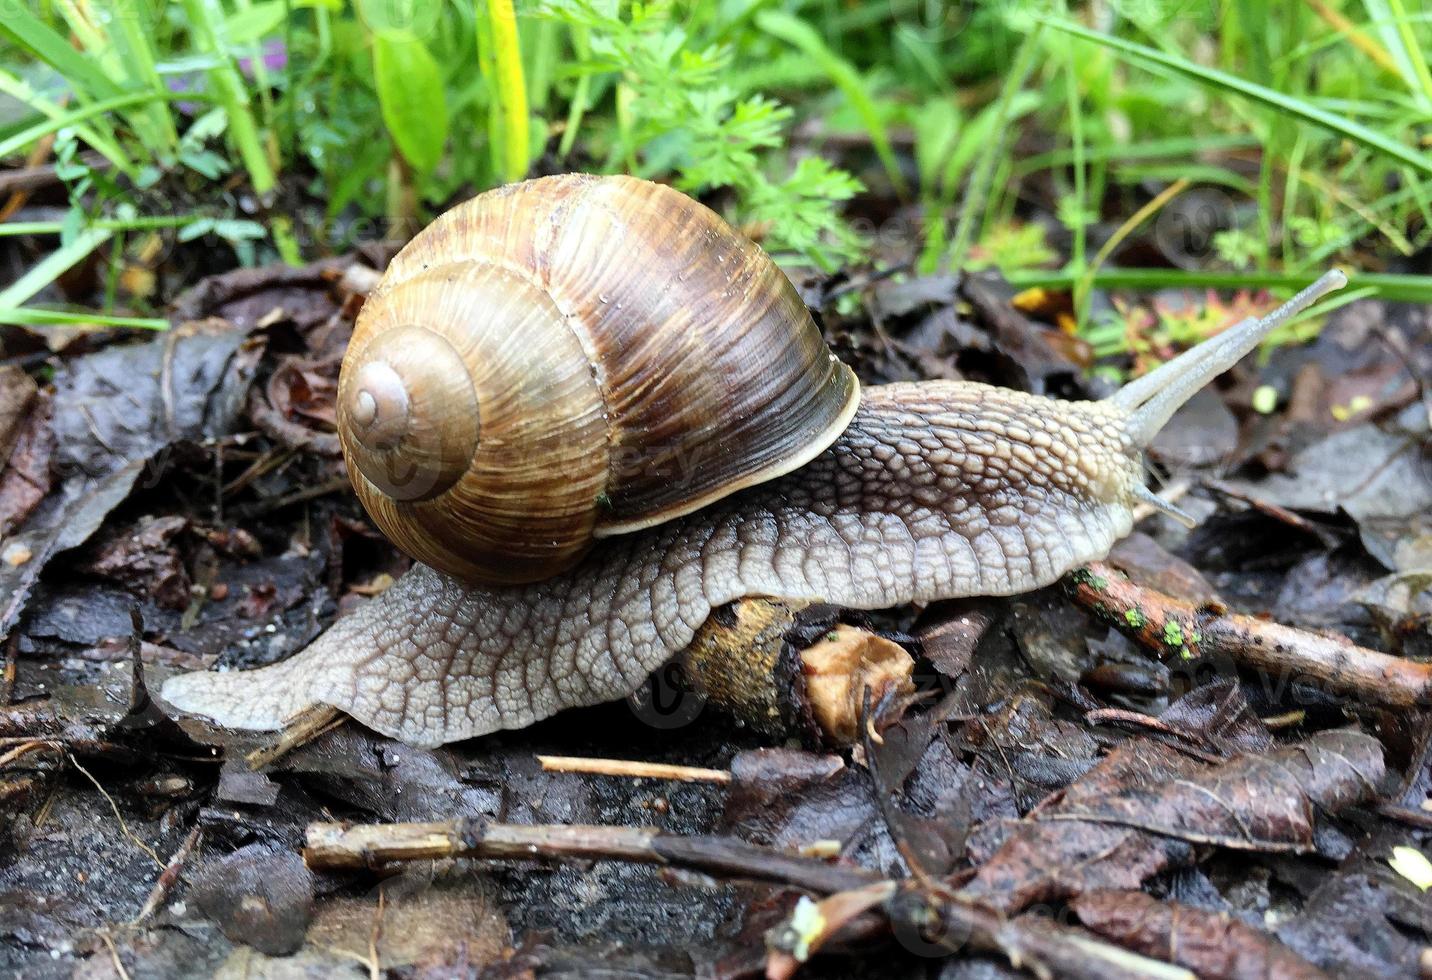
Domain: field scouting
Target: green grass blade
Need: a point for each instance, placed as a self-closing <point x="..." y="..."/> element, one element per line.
<point x="30" y="134"/>
<point x="136" y="52"/>
<point x="31" y="317"/>
<point x="511" y="94"/>
<point x="1195" y="173"/>
<point x="1214" y="78"/>
<point x="1391" y="25"/>
<point x="1179" y="148"/>
<point x="410" y="97"/>
<point x="805" y="38"/>
<point x="1413" y="49"/>
<point x="203" y="15"/>
<point x="52" y="266"/>
<point x="983" y="175"/>
<point x="9" y="229"/>
<point x="581" y="94"/>
<point x="1073" y="100"/>
<point x="102" y="143"/>
<point x="47" y="44"/>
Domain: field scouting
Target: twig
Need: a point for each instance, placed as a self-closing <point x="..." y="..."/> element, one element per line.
<point x="1030" y="941"/>
<point x="290" y="434"/>
<point x="167" y="878"/>
<point x="375" y="968"/>
<point x="25" y="748"/>
<point x="1176" y="629"/>
<point x="631" y="769"/>
<point x="336" y="845"/>
<point x="1413" y="818"/>
<point x="312" y="723"/>
<point x="1282" y="514"/>
<point x="1046" y="947"/>
<point x="265" y="462"/>
<point x="117" y="815"/>
<point x="114" y="954"/>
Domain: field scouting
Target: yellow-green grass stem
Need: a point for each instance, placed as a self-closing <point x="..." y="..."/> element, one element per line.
<point x="511" y="90"/>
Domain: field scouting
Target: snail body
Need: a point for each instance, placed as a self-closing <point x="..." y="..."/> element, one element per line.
<point x="921" y="491"/>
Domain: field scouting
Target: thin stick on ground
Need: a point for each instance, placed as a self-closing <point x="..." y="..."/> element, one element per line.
<point x="628" y="769"/>
<point x="336" y="845"/>
<point x="25" y="748"/>
<point x="1030" y="941"/>
<point x="302" y="730"/>
<point x="133" y="838"/>
<point x="167" y="878"/>
<point x="375" y="936"/>
<point x="113" y="954"/>
<point x="1175" y="629"/>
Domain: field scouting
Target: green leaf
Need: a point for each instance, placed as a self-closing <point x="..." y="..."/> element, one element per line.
<point x="937" y="126"/>
<point x="196" y="229"/>
<point x="410" y="95"/>
<point x="31" y="317"/>
<point x="230" y="92"/>
<point x="58" y="119"/>
<point x="238" y="229"/>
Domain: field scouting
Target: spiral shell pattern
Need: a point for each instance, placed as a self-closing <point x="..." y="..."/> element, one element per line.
<point x="570" y="358"/>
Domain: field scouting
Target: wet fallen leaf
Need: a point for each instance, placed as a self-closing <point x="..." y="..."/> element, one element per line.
<point x="125" y="402"/>
<point x="145" y="560"/>
<point x="25" y="477"/>
<point x="1217" y="947"/>
<point x="1117" y="839"/>
<point x="17" y="394"/>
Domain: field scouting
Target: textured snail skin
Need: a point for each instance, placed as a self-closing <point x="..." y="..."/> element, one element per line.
<point x="936" y="489"/>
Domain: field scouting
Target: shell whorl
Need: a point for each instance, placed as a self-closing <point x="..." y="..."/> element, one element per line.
<point x="570" y="358"/>
<point x="412" y="413"/>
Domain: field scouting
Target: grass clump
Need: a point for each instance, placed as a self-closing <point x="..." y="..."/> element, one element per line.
<point x="1132" y="145"/>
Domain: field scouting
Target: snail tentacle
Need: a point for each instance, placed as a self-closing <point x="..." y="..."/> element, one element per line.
<point x="1151" y="400"/>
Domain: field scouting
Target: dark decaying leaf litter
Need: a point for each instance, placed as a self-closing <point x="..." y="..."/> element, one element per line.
<point x="1209" y="755"/>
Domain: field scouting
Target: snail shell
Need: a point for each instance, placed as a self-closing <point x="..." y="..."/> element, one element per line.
<point x="570" y="358"/>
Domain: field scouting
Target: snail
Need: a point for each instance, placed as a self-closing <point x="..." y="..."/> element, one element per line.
<point x="594" y="413"/>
